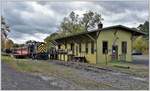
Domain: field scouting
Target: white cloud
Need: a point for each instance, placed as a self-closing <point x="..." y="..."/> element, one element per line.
<point x="25" y="37"/>
<point x="36" y="20"/>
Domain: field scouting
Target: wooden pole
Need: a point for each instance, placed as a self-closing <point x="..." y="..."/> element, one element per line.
<point x="106" y="56"/>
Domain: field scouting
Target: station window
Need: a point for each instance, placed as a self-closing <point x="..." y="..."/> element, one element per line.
<point x="86" y="47"/>
<point x="59" y="46"/>
<point x="80" y="48"/>
<point x="92" y="47"/>
<point x="72" y="47"/>
<point x="105" y="47"/>
<point x="65" y="45"/>
<point x="124" y="47"/>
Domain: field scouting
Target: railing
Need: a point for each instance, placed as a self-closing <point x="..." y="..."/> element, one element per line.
<point x="61" y="51"/>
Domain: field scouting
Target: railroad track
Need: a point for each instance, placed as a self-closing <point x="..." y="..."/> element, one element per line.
<point x="83" y="66"/>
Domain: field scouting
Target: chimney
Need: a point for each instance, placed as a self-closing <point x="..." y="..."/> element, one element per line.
<point x="100" y="25"/>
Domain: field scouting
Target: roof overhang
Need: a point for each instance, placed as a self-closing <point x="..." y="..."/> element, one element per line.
<point x="84" y="36"/>
<point x="133" y="31"/>
<point x="90" y="35"/>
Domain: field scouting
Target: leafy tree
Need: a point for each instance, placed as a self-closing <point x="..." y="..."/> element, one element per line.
<point x="50" y="38"/>
<point x="4" y="30"/>
<point x="74" y="24"/>
<point x="9" y="44"/>
<point x="15" y="45"/>
<point x="91" y="19"/>
<point x="30" y="41"/>
<point x="144" y="28"/>
<point x="140" y="44"/>
<point x="71" y="24"/>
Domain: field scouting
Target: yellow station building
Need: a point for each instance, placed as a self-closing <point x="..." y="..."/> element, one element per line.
<point x="98" y="46"/>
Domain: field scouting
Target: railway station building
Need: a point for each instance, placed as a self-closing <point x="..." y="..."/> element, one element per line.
<point x="98" y="46"/>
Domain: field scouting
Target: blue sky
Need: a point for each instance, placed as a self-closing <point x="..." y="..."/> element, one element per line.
<point x="35" y="20"/>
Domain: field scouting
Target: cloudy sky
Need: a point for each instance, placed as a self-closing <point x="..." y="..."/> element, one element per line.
<point x="35" y="20"/>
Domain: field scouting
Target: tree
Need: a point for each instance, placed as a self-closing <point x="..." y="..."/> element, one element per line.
<point x="144" y="28"/>
<point x="91" y="19"/>
<point x="9" y="44"/>
<point x="50" y="38"/>
<point x="15" y="45"/>
<point x="140" y="44"/>
<point x="71" y="24"/>
<point x="4" y="30"/>
<point x="30" y="41"/>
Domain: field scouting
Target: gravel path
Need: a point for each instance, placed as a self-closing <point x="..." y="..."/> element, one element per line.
<point x="117" y="80"/>
<point x="22" y="81"/>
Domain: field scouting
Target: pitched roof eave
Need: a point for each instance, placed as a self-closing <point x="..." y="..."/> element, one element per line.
<point x="133" y="31"/>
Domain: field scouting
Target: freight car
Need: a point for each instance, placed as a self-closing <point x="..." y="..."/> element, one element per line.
<point x="34" y="50"/>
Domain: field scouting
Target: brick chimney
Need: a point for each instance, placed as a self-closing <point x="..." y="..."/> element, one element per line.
<point x="100" y="25"/>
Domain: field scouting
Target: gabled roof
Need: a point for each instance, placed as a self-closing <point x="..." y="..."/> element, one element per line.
<point x="133" y="31"/>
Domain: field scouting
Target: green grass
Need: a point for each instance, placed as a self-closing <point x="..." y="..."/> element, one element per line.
<point x="48" y="69"/>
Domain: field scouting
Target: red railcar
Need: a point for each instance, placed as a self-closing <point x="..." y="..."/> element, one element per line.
<point x="21" y="52"/>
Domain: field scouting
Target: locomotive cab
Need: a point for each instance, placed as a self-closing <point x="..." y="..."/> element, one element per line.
<point x="38" y="50"/>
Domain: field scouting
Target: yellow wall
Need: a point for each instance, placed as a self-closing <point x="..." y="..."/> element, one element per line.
<point x="108" y="35"/>
<point x="91" y="58"/>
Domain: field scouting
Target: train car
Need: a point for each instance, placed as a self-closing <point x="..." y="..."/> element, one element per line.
<point x="34" y="50"/>
<point x="20" y="52"/>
